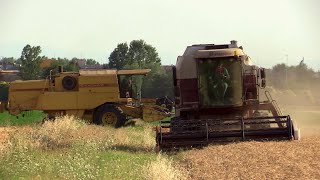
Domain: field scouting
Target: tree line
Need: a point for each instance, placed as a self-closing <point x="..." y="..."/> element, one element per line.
<point x="139" y="55"/>
<point x="135" y="55"/>
<point x="299" y="77"/>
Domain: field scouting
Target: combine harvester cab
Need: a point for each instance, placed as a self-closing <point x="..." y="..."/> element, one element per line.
<point x="217" y="99"/>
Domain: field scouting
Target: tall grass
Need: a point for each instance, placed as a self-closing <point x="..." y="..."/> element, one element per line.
<point x="67" y="148"/>
<point x="58" y="133"/>
<point x="164" y="168"/>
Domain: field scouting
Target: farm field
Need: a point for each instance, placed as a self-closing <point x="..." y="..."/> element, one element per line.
<point x="257" y="160"/>
<point x="156" y="90"/>
<point x="69" y="148"/>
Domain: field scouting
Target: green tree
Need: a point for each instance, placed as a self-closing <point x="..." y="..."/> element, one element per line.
<point x="297" y="77"/>
<point x="30" y="62"/>
<point x="73" y="65"/>
<point x="138" y="52"/>
<point x="7" y="61"/>
<point x="304" y="71"/>
<point x="142" y="53"/>
<point x="54" y="66"/>
<point x="92" y="62"/>
<point x="279" y="68"/>
<point x="117" y="59"/>
<point x="157" y="83"/>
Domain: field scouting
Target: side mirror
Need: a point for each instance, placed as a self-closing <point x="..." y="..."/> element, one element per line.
<point x="246" y="60"/>
<point x="263" y="83"/>
<point x="263" y="73"/>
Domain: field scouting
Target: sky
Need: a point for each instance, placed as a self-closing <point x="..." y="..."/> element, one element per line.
<point x="269" y="30"/>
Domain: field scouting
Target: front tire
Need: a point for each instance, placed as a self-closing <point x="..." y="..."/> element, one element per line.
<point x="109" y="115"/>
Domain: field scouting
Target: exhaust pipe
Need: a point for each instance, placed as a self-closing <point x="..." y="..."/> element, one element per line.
<point x="60" y="69"/>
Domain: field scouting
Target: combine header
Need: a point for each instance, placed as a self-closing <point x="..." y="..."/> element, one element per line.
<point x="217" y="99"/>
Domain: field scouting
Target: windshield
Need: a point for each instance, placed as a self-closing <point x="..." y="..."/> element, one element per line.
<point x="130" y="86"/>
<point x="220" y="81"/>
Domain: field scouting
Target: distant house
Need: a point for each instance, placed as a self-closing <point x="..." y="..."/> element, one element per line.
<point x="81" y="63"/>
<point x="167" y="68"/>
<point x="9" y="67"/>
<point x="97" y="66"/>
<point x="46" y="63"/>
<point x="9" y="75"/>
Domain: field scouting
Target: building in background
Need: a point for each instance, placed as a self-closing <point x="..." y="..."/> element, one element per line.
<point x="9" y="75"/>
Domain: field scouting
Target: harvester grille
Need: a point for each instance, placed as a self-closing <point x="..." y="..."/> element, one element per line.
<point x="183" y="133"/>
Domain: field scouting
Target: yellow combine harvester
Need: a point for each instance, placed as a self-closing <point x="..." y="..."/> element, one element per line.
<point x="107" y="97"/>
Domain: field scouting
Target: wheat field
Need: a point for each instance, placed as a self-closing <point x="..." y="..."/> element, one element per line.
<point x="68" y="148"/>
<point x="257" y="160"/>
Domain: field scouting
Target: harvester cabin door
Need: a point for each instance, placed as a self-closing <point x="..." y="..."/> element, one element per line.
<point x="220" y="82"/>
<point x="130" y="86"/>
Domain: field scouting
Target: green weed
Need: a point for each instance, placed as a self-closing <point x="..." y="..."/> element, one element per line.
<point x="25" y="118"/>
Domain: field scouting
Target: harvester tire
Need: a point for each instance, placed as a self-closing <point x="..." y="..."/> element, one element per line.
<point x="109" y="114"/>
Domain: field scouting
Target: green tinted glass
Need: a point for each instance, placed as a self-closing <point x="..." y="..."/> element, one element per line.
<point x="130" y="86"/>
<point x="220" y="82"/>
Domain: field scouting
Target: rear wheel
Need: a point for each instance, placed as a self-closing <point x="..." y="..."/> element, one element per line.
<point x="109" y="115"/>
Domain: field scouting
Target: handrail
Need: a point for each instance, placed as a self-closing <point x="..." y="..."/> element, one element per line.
<point x="274" y="103"/>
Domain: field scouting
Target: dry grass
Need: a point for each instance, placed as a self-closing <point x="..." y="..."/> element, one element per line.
<point x="130" y="138"/>
<point x="257" y="160"/>
<point x="66" y="131"/>
<point x="58" y="133"/>
<point x="68" y="148"/>
<point x="6" y="137"/>
<point x="164" y="168"/>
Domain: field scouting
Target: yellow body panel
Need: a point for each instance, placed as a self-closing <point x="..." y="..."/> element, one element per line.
<point x="106" y="83"/>
<point x="73" y="100"/>
<point x="23" y="95"/>
<point x="132" y="111"/>
<point x="92" y="89"/>
<point x="154" y="113"/>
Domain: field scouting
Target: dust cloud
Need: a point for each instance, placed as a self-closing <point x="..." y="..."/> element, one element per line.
<point x="303" y="105"/>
